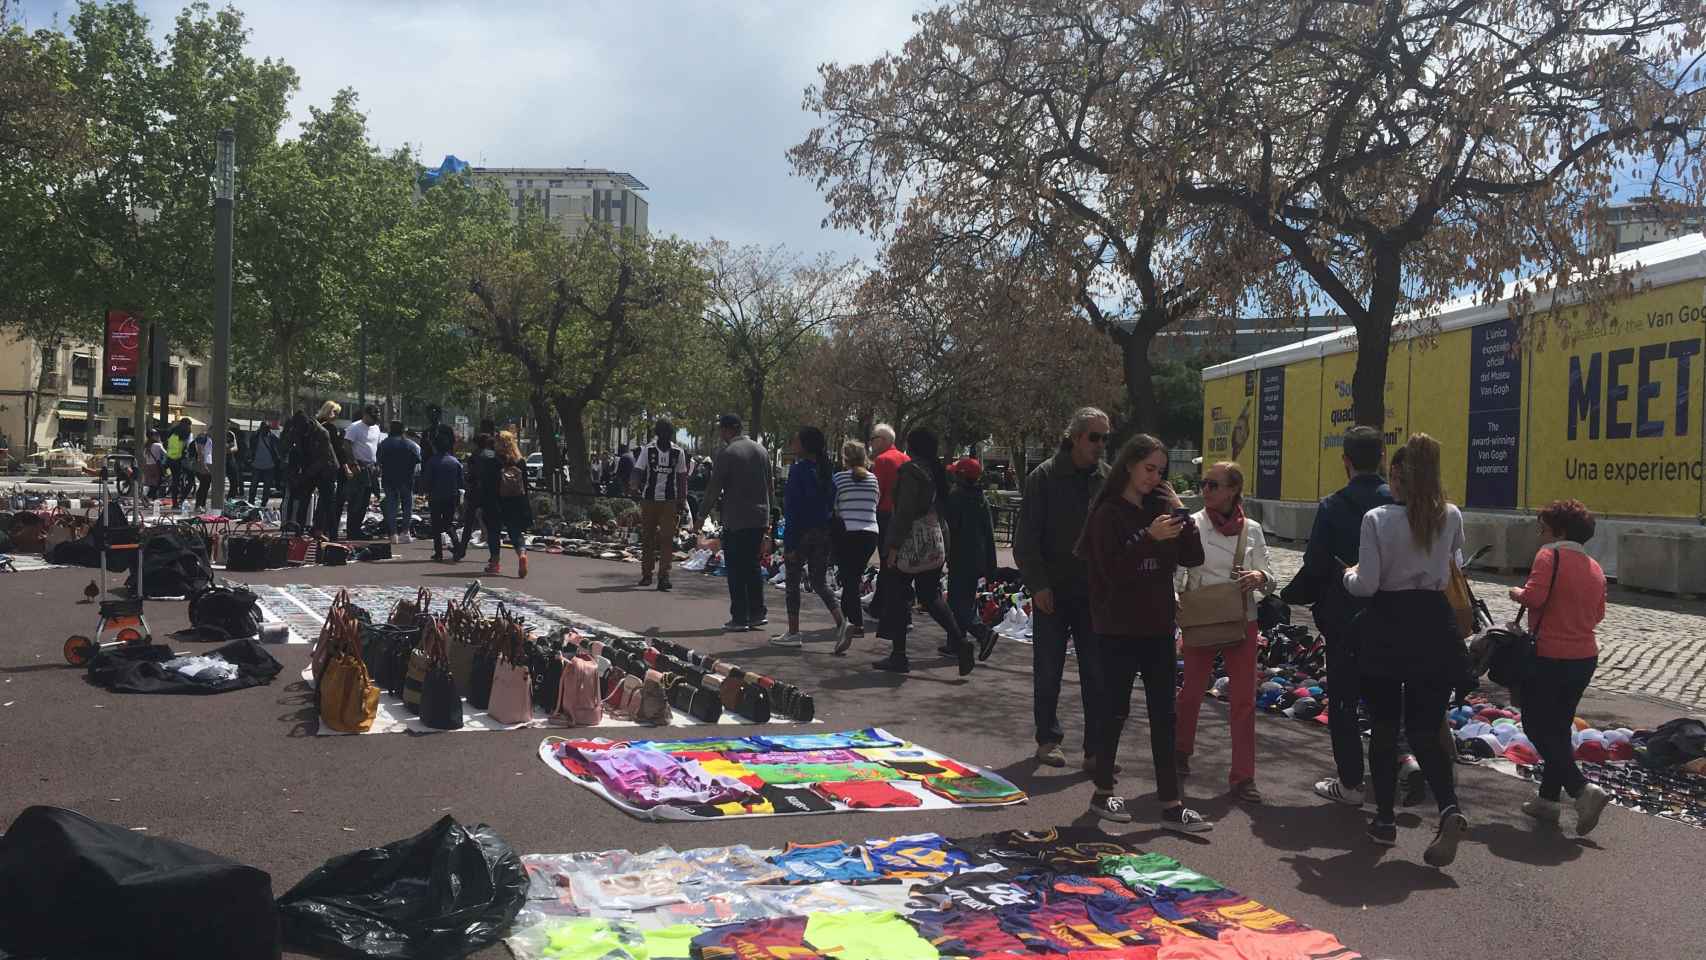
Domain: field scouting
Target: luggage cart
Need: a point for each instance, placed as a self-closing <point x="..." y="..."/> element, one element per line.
<point x="122" y="622"/>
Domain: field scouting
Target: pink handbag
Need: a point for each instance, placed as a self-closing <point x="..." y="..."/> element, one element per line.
<point x="512" y="694"/>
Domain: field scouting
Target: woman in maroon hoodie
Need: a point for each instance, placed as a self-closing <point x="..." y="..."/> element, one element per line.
<point x="1138" y="533"/>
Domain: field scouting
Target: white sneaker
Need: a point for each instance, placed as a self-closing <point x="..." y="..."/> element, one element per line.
<point x="787" y="640"/>
<point x="408" y="538"/>
<point x="1542" y="809"/>
<point x="1337" y="792"/>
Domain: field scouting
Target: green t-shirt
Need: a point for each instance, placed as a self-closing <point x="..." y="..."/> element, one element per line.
<point x="867" y="935"/>
<point x="671" y="943"/>
<point x="785" y="773"/>
<point x="1151" y="870"/>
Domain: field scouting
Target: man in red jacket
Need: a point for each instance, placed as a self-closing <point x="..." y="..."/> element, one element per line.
<point x="886" y="465"/>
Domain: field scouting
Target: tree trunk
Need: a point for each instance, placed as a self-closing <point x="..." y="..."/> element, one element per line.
<point x="541" y="407"/>
<point x="755" y="426"/>
<point x="1143" y="411"/>
<point x="286" y="377"/>
<point x="571" y="419"/>
<point x="1374" y="339"/>
<point x="1368" y="384"/>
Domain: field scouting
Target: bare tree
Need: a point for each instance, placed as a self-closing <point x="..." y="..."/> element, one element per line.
<point x="763" y="303"/>
<point x="1021" y="121"/>
<point x="1403" y="150"/>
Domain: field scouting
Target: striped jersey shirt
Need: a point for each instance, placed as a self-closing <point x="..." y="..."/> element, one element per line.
<point x="660" y="474"/>
<point x="856" y="501"/>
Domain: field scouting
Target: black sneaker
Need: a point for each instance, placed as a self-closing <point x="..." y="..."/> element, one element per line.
<point x="663" y="583"/>
<point x="760" y="622"/>
<point x="1453" y="826"/>
<point x="1110" y="806"/>
<point x="1384" y="834"/>
<point x="986" y="645"/>
<point x="1184" y="820"/>
<point x="734" y="626"/>
<point x="893" y="665"/>
<point x="966" y="654"/>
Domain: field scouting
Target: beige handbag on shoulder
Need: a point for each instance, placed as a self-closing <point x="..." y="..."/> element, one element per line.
<point x="1215" y="615"/>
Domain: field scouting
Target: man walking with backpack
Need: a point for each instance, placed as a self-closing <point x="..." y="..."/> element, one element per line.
<point x="659" y="479"/>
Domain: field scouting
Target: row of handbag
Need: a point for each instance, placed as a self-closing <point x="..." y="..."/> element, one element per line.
<point x="785" y="699"/>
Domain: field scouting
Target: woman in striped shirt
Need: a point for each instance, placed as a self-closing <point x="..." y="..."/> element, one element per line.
<point x="855" y="526"/>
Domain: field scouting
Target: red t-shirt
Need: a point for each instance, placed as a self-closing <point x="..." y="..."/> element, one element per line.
<point x="886" y="467"/>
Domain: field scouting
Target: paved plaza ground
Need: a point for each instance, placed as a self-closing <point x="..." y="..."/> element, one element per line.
<point x="241" y="774"/>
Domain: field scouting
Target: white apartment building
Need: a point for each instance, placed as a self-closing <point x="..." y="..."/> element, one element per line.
<point x="573" y="196"/>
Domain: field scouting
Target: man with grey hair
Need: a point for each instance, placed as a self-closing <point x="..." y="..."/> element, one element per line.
<point x="1057" y="500"/>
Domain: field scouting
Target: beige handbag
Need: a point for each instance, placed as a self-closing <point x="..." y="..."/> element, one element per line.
<point x="1215" y="615"/>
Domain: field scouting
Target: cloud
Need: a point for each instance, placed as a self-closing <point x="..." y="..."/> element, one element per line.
<point x="698" y="100"/>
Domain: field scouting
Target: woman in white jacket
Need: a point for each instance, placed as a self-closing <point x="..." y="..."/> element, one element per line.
<point x="1221" y="520"/>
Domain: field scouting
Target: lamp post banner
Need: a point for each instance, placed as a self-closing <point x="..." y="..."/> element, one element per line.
<point x="123" y="353"/>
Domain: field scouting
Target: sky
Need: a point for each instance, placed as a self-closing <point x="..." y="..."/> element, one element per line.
<point x="699" y="100"/>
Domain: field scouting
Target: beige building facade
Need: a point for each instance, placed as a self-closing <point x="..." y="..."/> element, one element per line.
<point x="45" y="396"/>
<point x="573" y="197"/>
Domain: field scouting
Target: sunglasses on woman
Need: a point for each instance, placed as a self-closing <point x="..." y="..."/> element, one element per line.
<point x="1212" y="484"/>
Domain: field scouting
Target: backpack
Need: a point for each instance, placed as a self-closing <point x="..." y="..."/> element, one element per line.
<point x="512" y="482"/>
<point x="227" y="607"/>
<point x="578" y="697"/>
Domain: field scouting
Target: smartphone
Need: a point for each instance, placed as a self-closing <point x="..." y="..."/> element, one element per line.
<point x="1181" y="513"/>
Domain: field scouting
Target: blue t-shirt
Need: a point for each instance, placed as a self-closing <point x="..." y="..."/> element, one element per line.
<point x="444" y="477"/>
<point x="804" y="506"/>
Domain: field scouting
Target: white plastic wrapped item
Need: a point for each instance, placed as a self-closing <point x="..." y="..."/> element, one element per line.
<point x="647" y="880"/>
<point x="827" y="897"/>
<point x="204" y="669"/>
<point x="732" y="865"/>
<point x="548" y="878"/>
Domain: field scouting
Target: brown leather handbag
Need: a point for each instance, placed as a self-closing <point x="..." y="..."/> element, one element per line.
<point x="349" y="701"/>
<point x="1215" y="616"/>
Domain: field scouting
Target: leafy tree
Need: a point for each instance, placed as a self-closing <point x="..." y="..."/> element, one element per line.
<point x="580" y="315"/>
<point x="1401" y="151"/>
<point x="762" y="304"/>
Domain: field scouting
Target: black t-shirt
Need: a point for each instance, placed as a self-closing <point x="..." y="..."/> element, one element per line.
<point x="1064" y="850"/>
<point x="983" y="890"/>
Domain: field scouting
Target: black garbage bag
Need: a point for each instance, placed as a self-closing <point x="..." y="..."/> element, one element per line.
<point x="74" y="887"/>
<point x="439" y="895"/>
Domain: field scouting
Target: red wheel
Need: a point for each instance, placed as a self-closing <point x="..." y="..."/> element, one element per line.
<point x="79" y="650"/>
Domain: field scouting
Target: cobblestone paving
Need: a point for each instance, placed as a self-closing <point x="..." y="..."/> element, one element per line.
<point x="1649" y="646"/>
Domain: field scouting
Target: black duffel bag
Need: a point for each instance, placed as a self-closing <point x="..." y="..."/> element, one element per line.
<point x="227" y="607"/>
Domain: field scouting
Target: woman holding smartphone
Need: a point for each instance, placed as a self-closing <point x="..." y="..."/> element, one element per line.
<point x="1137" y="535"/>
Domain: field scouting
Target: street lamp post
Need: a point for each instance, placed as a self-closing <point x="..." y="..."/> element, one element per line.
<point x="224" y="199"/>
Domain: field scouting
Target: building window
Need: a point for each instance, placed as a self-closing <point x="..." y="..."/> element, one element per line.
<point x="82" y="371"/>
<point x="49" y="359"/>
<point x="556" y="183"/>
<point x="192" y="381"/>
<point x="124" y="426"/>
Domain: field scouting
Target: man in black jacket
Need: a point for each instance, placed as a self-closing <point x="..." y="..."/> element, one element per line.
<point x="1334" y="541"/>
<point x="1057" y="500"/>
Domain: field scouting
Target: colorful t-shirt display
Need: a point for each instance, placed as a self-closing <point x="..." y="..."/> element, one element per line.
<point x="1147" y="871"/>
<point x="922" y="856"/>
<point x="868" y="794"/>
<point x="830" y="860"/>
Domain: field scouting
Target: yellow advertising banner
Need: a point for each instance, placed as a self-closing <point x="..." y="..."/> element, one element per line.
<point x="1613" y="416"/>
<point x="1336" y="416"/>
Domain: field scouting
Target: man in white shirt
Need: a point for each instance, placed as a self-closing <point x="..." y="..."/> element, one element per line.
<point x="659" y="479"/>
<point x="364" y="436"/>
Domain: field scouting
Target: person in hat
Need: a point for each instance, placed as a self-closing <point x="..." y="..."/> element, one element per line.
<point x="1224" y="528"/>
<point x="739" y="489"/>
<point x="1565" y="601"/>
<point x="971" y="550"/>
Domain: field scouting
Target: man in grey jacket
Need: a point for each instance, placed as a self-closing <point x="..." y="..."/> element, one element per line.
<point x="740" y="485"/>
<point x="1057" y="500"/>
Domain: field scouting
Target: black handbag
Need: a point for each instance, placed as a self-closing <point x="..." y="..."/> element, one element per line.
<point x="441" y="705"/>
<point x="1513" y="651"/>
<point x="1271" y="611"/>
<point x="277" y="552"/>
<point x="244" y="554"/>
<point x="695" y="701"/>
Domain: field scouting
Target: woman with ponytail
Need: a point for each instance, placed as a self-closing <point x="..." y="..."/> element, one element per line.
<point x="1411" y="651"/>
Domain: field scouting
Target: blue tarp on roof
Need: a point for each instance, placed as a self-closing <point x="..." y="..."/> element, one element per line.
<point x="451" y="167"/>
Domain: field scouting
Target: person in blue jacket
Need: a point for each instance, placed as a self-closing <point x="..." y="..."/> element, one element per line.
<point x="806" y="502"/>
<point x="398" y="457"/>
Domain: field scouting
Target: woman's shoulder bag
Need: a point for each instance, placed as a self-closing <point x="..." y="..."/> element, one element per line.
<point x="1215" y="615"/>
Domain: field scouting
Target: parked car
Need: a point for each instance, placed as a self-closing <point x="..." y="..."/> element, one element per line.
<point x="535" y="467"/>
